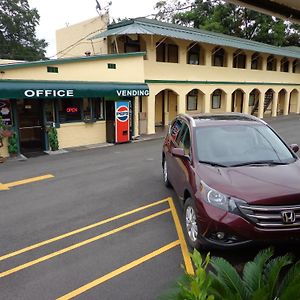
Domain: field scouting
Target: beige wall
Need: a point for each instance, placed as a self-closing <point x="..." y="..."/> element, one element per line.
<point x="78" y="134"/>
<point x="128" y="69"/>
<point x="72" y="41"/>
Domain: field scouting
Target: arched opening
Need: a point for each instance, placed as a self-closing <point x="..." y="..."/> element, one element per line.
<point x="218" y="101"/>
<point x="256" y="61"/>
<point x="254" y="101"/>
<point x="294" y="101"/>
<point x="239" y="59"/>
<point x="271" y="63"/>
<point x="284" y="65"/>
<point x="194" y="101"/>
<point x="195" y="54"/>
<point x="296" y="66"/>
<point x="237" y="100"/>
<point x="219" y="57"/>
<point x="281" y="101"/>
<point x="165" y="108"/>
<point x="166" y="51"/>
<point x="269" y="97"/>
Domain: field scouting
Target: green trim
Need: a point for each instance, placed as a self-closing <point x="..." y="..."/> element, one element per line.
<point x="61" y="61"/>
<point x="22" y="89"/>
<point x="218" y="82"/>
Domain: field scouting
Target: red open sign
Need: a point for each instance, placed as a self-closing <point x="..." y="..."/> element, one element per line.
<point x="72" y="109"/>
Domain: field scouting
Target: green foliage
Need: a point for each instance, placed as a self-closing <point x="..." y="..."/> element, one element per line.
<point x="17" y="31"/>
<point x="264" y="278"/>
<point x="13" y="144"/>
<point x="53" y="140"/>
<point x="226" y="18"/>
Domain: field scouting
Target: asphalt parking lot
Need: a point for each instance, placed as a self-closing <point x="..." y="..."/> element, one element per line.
<point x="96" y="224"/>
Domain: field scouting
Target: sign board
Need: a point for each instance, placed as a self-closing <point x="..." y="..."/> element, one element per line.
<point x="5" y="111"/>
<point x="122" y="121"/>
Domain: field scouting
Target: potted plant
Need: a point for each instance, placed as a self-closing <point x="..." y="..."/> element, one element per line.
<point x="53" y="139"/>
<point x="13" y="144"/>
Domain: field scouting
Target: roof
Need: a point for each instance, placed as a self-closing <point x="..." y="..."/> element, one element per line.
<point x="146" y="26"/>
<point x="60" y="61"/>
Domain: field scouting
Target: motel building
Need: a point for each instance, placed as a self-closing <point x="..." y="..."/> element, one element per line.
<point x="156" y="69"/>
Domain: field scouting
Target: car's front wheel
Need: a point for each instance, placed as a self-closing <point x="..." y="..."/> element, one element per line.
<point x="165" y="174"/>
<point x="191" y="225"/>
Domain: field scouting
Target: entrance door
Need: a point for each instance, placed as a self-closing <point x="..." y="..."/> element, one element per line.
<point x="110" y="121"/>
<point x="31" y="127"/>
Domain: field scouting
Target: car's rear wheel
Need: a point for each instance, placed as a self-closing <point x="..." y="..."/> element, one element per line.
<point x="165" y="174"/>
<point x="191" y="225"/>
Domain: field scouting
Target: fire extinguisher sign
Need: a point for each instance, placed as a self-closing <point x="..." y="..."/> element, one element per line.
<point x="122" y="121"/>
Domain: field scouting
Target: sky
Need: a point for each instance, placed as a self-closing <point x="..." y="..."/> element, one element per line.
<point x="56" y="14"/>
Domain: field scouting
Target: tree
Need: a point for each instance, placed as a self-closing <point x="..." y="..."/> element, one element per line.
<point x="17" y="31"/>
<point x="222" y="17"/>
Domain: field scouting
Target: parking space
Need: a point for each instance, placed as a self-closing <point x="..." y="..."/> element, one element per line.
<point x="98" y="253"/>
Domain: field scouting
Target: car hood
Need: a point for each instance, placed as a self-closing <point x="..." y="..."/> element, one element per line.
<point x="265" y="185"/>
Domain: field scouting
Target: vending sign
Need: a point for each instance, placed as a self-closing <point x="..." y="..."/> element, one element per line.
<point x="122" y="119"/>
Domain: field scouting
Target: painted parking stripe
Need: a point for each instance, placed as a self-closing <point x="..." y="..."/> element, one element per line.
<point x="184" y="249"/>
<point x="60" y="237"/>
<point x="119" y="271"/>
<point x="7" y="186"/>
<point x="83" y="243"/>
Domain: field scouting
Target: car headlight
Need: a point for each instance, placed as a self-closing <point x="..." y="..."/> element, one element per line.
<point x="217" y="198"/>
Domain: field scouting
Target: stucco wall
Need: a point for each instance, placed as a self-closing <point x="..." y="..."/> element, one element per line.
<point x="78" y="134"/>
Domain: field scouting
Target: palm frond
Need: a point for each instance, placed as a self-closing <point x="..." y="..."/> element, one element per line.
<point x="290" y="285"/>
<point x="227" y="275"/>
<point x="272" y="271"/>
<point x="253" y="270"/>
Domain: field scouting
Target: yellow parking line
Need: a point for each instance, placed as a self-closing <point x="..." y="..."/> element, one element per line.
<point x="6" y="256"/>
<point x="83" y="243"/>
<point x="119" y="271"/>
<point x="7" y="186"/>
<point x="184" y="249"/>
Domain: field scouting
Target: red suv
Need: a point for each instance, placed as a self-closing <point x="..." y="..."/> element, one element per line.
<point x="238" y="180"/>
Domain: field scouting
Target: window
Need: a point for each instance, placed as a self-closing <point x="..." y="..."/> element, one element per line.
<point x="193" y="55"/>
<point x="176" y="128"/>
<point x="239" y="60"/>
<point x="184" y="140"/>
<point x="49" y="110"/>
<point x="251" y="99"/>
<point x="111" y="66"/>
<point x="218" y="57"/>
<point x="70" y="110"/>
<point x="271" y="63"/>
<point x="52" y="69"/>
<point x="98" y="108"/>
<point x="166" y="53"/>
<point x="216" y="99"/>
<point x="191" y="100"/>
<point x="256" y="62"/>
<point x="284" y="66"/>
<point x="132" y="44"/>
<point x="5" y="111"/>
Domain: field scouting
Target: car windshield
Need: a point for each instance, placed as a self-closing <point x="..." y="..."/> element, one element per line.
<point x="237" y="145"/>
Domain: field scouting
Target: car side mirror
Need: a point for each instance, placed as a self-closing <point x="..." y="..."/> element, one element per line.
<point x="294" y="147"/>
<point x="179" y="152"/>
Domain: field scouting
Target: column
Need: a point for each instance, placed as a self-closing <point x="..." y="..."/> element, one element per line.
<point x="207" y="57"/>
<point x="261" y="98"/>
<point x="286" y="104"/>
<point x="180" y="104"/>
<point x="246" y="103"/>
<point x="290" y="65"/>
<point x="228" y="101"/>
<point x="248" y="60"/>
<point x="229" y="58"/>
<point x="275" y="104"/>
<point x="264" y="62"/>
<point x="206" y="103"/>
<point x="278" y="66"/>
<point x="151" y="114"/>
<point x="298" y="103"/>
<point x="136" y="117"/>
<point x="166" y="108"/>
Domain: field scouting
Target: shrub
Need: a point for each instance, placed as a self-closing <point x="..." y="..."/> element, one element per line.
<point x="53" y="139"/>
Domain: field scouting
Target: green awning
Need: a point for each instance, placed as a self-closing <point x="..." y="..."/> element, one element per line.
<point x="20" y="89"/>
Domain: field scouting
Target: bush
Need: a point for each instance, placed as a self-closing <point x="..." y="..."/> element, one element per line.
<point x="13" y="144"/>
<point x="265" y="278"/>
<point x="53" y="139"/>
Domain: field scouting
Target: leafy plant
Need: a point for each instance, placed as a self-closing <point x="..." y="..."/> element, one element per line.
<point x="13" y="144"/>
<point x="265" y="278"/>
<point x="53" y="139"/>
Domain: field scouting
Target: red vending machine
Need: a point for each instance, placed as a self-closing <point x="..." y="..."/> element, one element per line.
<point x="122" y="122"/>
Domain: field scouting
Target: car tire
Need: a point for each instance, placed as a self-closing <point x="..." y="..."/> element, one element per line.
<point x="190" y="224"/>
<point x="165" y="174"/>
